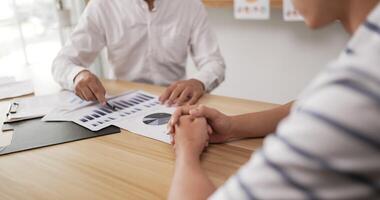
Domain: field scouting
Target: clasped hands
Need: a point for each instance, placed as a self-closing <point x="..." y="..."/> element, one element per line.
<point x="194" y="127"/>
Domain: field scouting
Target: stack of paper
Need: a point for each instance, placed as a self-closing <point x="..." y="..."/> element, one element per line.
<point x="10" y="88"/>
<point x="39" y="106"/>
<point x="137" y="111"/>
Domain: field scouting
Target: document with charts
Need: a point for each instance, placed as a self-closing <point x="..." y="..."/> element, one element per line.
<point x="137" y="111"/>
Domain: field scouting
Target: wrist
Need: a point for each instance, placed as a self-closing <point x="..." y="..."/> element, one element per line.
<point x="187" y="154"/>
<point x="233" y="131"/>
<point x="79" y="74"/>
<point x="187" y="160"/>
<point x="201" y="84"/>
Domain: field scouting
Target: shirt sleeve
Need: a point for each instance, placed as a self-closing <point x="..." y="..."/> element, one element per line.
<point x="205" y="52"/>
<point x="81" y="49"/>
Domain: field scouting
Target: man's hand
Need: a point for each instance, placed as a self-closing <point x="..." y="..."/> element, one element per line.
<point x="88" y="87"/>
<point x="221" y="125"/>
<point x="181" y="92"/>
<point x="191" y="136"/>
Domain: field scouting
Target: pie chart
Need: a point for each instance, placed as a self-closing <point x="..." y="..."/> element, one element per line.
<point x="157" y="119"/>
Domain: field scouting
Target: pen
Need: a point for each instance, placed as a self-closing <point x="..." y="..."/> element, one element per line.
<point x="111" y="106"/>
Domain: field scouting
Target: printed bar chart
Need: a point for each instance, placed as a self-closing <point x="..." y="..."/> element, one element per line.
<point x="136" y="111"/>
<point x="97" y="117"/>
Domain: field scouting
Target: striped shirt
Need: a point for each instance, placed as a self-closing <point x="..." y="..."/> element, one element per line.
<point x="329" y="145"/>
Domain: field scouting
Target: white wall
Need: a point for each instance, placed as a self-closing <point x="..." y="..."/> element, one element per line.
<point x="271" y="60"/>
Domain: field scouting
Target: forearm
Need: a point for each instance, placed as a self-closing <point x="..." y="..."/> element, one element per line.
<point x="205" y="52"/>
<point x="190" y="181"/>
<point x="81" y="49"/>
<point x="258" y="124"/>
<point x="65" y="71"/>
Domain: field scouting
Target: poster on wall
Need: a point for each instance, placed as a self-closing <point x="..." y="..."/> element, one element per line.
<point x="289" y="12"/>
<point x="252" y="9"/>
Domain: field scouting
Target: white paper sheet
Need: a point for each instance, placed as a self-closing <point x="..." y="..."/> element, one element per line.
<point x="39" y="106"/>
<point x="16" y="89"/>
<point x="96" y="117"/>
<point x="5" y="139"/>
<point x="132" y="108"/>
<point x="69" y="102"/>
<point x="150" y="123"/>
<point x="6" y="80"/>
<point x="252" y="9"/>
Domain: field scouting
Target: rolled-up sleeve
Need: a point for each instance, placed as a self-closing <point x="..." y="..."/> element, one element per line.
<point x="81" y="49"/>
<point x="205" y="52"/>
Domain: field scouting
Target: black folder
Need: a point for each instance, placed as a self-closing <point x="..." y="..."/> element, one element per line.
<point x="31" y="134"/>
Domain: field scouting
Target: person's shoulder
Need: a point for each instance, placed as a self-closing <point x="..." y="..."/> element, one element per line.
<point x="365" y="43"/>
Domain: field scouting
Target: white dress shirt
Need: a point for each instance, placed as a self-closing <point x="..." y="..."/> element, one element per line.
<point x="142" y="45"/>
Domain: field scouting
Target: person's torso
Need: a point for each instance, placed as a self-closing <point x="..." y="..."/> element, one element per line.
<point x="337" y="121"/>
<point x="328" y="146"/>
<point x="148" y="46"/>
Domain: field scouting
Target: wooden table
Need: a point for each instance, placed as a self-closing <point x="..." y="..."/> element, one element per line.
<point x="118" y="166"/>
